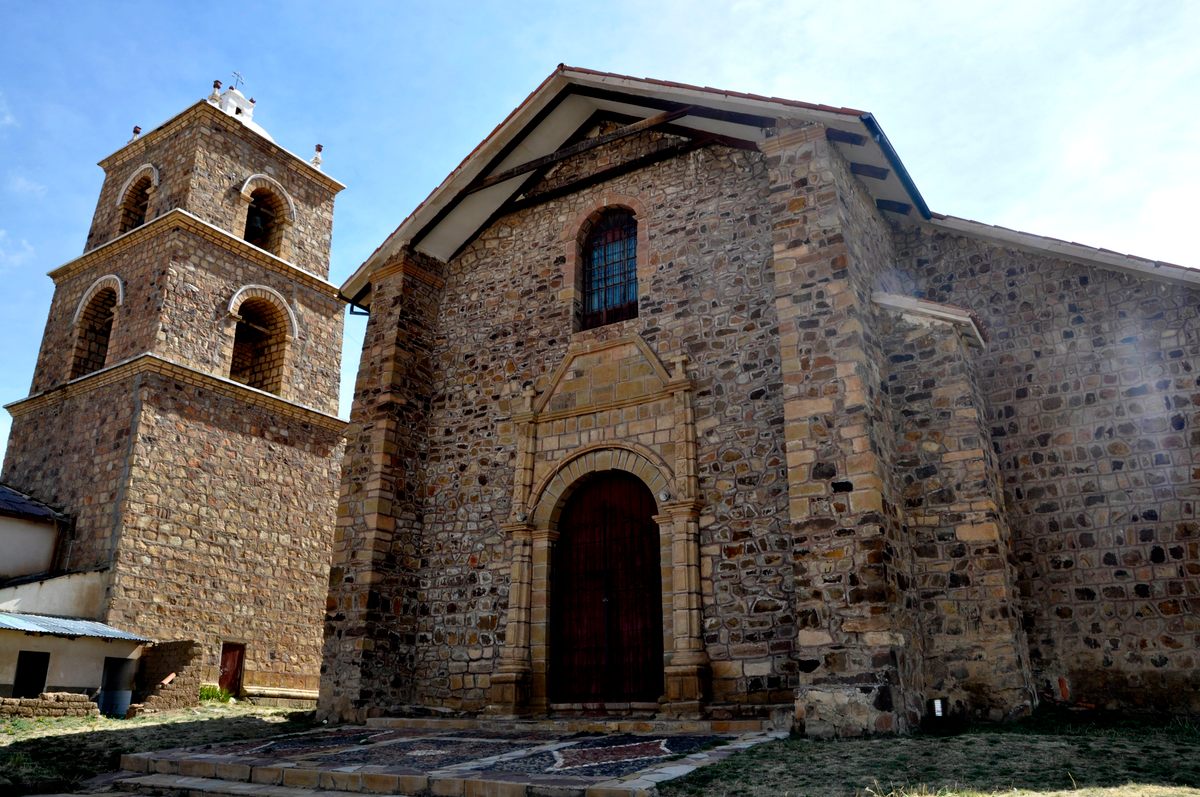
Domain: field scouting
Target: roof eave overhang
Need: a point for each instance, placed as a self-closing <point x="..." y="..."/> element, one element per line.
<point x="1067" y="250"/>
<point x="131" y="149"/>
<point x="616" y="93"/>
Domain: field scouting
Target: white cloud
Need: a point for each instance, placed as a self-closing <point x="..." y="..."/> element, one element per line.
<point x="13" y="253"/>
<point x="6" y="117"/>
<point x="19" y="184"/>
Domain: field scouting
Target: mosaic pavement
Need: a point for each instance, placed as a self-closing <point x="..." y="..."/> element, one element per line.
<point x="497" y="758"/>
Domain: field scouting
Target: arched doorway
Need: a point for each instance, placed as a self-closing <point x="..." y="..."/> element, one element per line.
<point x="606" y="612"/>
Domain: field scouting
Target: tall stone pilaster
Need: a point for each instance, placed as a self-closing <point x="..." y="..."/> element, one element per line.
<point x="371" y="620"/>
<point x="848" y="647"/>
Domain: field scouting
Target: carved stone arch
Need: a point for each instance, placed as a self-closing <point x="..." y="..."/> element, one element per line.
<point x="107" y="281"/>
<point x="146" y="169"/>
<point x="257" y="181"/>
<point x="550" y="496"/>
<point x="269" y="294"/>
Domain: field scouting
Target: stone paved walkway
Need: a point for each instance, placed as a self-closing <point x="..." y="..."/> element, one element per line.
<point x="494" y="758"/>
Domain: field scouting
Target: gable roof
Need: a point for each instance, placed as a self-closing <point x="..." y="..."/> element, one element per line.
<point x="569" y="102"/>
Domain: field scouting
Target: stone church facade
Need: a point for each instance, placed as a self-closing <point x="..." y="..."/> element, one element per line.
<point x="183" y="407"/>
<point x="694" y="381"/>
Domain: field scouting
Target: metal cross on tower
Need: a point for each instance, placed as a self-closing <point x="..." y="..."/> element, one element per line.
<point x="238" y="80"/>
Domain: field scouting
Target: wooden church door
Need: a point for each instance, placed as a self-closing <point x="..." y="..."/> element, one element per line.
<point x="606" y="595"/>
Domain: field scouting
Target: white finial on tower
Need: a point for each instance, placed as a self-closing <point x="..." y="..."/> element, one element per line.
<point x="137" y="131"/>
<point x="215" y="97"/>
<point x="316" y="159"/>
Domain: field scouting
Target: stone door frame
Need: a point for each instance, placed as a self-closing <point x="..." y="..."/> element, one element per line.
<point x="519" y="685"/>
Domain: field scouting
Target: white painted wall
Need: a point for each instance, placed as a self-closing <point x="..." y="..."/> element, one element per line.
<point x="27" y="547"/>
<point x="74" y="595"/>
<point x="75" y="664"/>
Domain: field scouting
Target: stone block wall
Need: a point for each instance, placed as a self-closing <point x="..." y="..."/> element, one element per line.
<point x="505" y="320"/>
<point x="852" y="644"/>
<point x="214" y="546"/>
<point x="1089" y="385"/>
<point x="82" y="472"/>
<point x="226" y="155"/>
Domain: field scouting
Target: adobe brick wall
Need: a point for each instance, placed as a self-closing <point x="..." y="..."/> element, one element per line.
<point x="49" y="704"/>
<point x="1090" y="389"/>
<point x="182" y="658"/>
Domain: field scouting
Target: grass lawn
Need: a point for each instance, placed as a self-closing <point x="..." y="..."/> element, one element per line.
<point x="54" y="753"/>
<point x="1045" y="756"/>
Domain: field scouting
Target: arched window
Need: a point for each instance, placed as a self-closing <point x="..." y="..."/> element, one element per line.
<point x="264" y="220"/>
<point x="93" y="327"/>
<point x="259" y="345"/>
<point x="135" y="204"/>
<point x="610" y="290"/>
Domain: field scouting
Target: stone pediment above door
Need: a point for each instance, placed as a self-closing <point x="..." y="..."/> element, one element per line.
<point x="600" y="375"/>
<point x="615" y="393"/>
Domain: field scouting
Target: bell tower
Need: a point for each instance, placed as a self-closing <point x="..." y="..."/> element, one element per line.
<point x="183" y="407"/>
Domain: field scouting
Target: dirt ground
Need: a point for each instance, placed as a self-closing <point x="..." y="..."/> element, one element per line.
<point x="53" y="754"/>
<point x="1043" y="757"/>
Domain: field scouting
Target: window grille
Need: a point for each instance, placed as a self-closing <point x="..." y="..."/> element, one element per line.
<point x="610" y="270"/>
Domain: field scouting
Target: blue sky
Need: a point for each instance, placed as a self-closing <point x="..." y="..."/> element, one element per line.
<point x="1079" y="120"/>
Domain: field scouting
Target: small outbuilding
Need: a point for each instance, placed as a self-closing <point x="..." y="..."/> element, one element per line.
<point x="41" y="654"/>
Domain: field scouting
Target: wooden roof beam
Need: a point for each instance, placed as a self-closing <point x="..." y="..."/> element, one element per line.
<point x="579" y="148"/>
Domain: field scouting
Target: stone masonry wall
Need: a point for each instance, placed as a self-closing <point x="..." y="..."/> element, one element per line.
<point x="1090" y="387"/>
<point x="704" y="292"/>
<point x="851" y="643"/>
<point x="226" y="531"/>
<point x="177" y="289"/>
<point x="204" y="157"/>
<point x="963" y="595"/>
<point x="226" y="156"/>
<point x="82" y="472"/>
<point x="505" y="320"/>
<point x="374" y="601"/>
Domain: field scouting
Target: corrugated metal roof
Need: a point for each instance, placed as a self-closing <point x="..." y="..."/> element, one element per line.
<point x="17" y="504"/>
<point x="63" y="626"/>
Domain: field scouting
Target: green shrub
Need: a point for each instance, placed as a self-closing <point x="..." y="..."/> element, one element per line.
<point x="209" y="692"/>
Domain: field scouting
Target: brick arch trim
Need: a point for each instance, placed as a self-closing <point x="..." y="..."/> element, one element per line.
<point x="256" y="181"/>
<point x="551" y="494"/>
<point x="107" y="281"/>
<point x="268" y="294"/>
<point x="138" y="173"/>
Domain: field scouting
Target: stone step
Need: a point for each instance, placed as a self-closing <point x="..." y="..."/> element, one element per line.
<point x="161" y="785"/>
<point x="186" y="786"/>
<point x="576" y="725"/>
